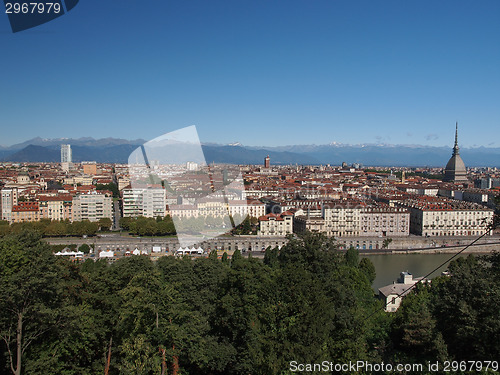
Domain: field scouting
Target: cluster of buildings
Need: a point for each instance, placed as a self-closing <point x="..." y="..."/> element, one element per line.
<point x="350" y="202"/>
<point x="63" y="191"/>
<point x="340" y="201"/>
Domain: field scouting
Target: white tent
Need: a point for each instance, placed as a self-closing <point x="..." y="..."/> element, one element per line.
<point x="70" y="253"/>
<point x="182" y="251"/>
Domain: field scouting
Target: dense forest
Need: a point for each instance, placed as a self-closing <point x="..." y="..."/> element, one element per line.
<point x="307" y="302"/>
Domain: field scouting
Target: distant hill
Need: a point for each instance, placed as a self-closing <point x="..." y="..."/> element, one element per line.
<point x="104" y="154"/>
<point x="4" y="153"/>
<point x="120" y="154"/>
<point x="34" y="153"/>
<point x="85" y="141"/>
<point x="112" y="150"/>
<point x="242" y="155"/>
<point x="394" y="155"/>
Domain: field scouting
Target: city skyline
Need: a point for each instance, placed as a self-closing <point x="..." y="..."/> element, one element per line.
<point x="89" y="138"/>
<point x="258" y="73"/>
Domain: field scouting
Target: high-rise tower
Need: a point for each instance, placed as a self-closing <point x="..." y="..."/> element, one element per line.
<point x="267" y="162"/>
<point x="66" y="157"/>
<point x="455" y="169"/>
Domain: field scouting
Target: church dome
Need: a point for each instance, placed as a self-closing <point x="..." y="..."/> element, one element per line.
<point x="455" y="170"/>
<point x="456" y="164"/>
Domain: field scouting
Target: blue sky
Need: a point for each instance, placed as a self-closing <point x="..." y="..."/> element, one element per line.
<point x="271" y="72"/>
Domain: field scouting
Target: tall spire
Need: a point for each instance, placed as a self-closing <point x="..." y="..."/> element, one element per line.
<point x="456" y="150"/>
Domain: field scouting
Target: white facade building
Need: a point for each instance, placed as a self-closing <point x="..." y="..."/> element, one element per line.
<point x="393" y="294"/>
<point x="66" y="157"/>
<point x="431" y="216"/>
<point x="147" y="202"/>
<point x="245" y="208"/>
<point x="66" y="154"/>
<point x="8" y="200"/>
<point x="276" y="225"/>
<point x="92" y="207"/>
<point x="384" y="221"/>
<point x="342" y="220"/>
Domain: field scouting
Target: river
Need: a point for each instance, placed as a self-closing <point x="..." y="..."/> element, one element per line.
<point x="389" y="266"/>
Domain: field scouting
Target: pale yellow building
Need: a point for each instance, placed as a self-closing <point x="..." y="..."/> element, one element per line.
<point x="58" y="207"/>
<point x="276" y="225"/>
<point x="25" y="211"/>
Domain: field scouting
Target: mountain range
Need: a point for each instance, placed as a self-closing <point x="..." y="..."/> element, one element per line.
<point x="113" y="150"/>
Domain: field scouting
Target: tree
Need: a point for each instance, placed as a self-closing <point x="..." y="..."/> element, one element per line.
<point x="84" y="228"/>
<point x="84" y="248"/>
<point x="213" y="255"/>
<point x="244" y="227"/>
<point x="112" y="187"/>
<point x="139" y="356"/>
<point x="73" y="346"/>
<point x="193" y="225"/>
<point x="30" y="295"/>
<point x="386" y="243"/>
<point x="125" y="222"/>
<point x="271" y="256"/>
<point x="105" y="224"/>
<point x="352" y="257"/>
<point x="237" y="218"/>
<point x="466" y="307"/>
<point x="415" y="329"/>
<point x="368" y="269"/>
<point x="241" y="299"/>
<point x="323" y="303"/>
<point x="4" y="230"/>
<point x="56" y="229"/>
<point x="166" y="226"/>
<point x="236" y="257"/>
<point x="189" y="336"/>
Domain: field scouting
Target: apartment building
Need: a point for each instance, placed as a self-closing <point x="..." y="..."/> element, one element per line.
<point x="430" y="216"/>
<point x="89" y="168"/>
<point x="25" y="211"/>
<point x="343" y="219"/>
<point x="253" y="208"/>
<point x="302" y="223"/>
<point x="8" y="200"/>
<point x="276" y="225"/>
<point x="382" y="221"/>
<point x="56" y="207"/>
<point x="183" y="210"/>
<point x="144" y="201"/>
<point x="92" y="206"/>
